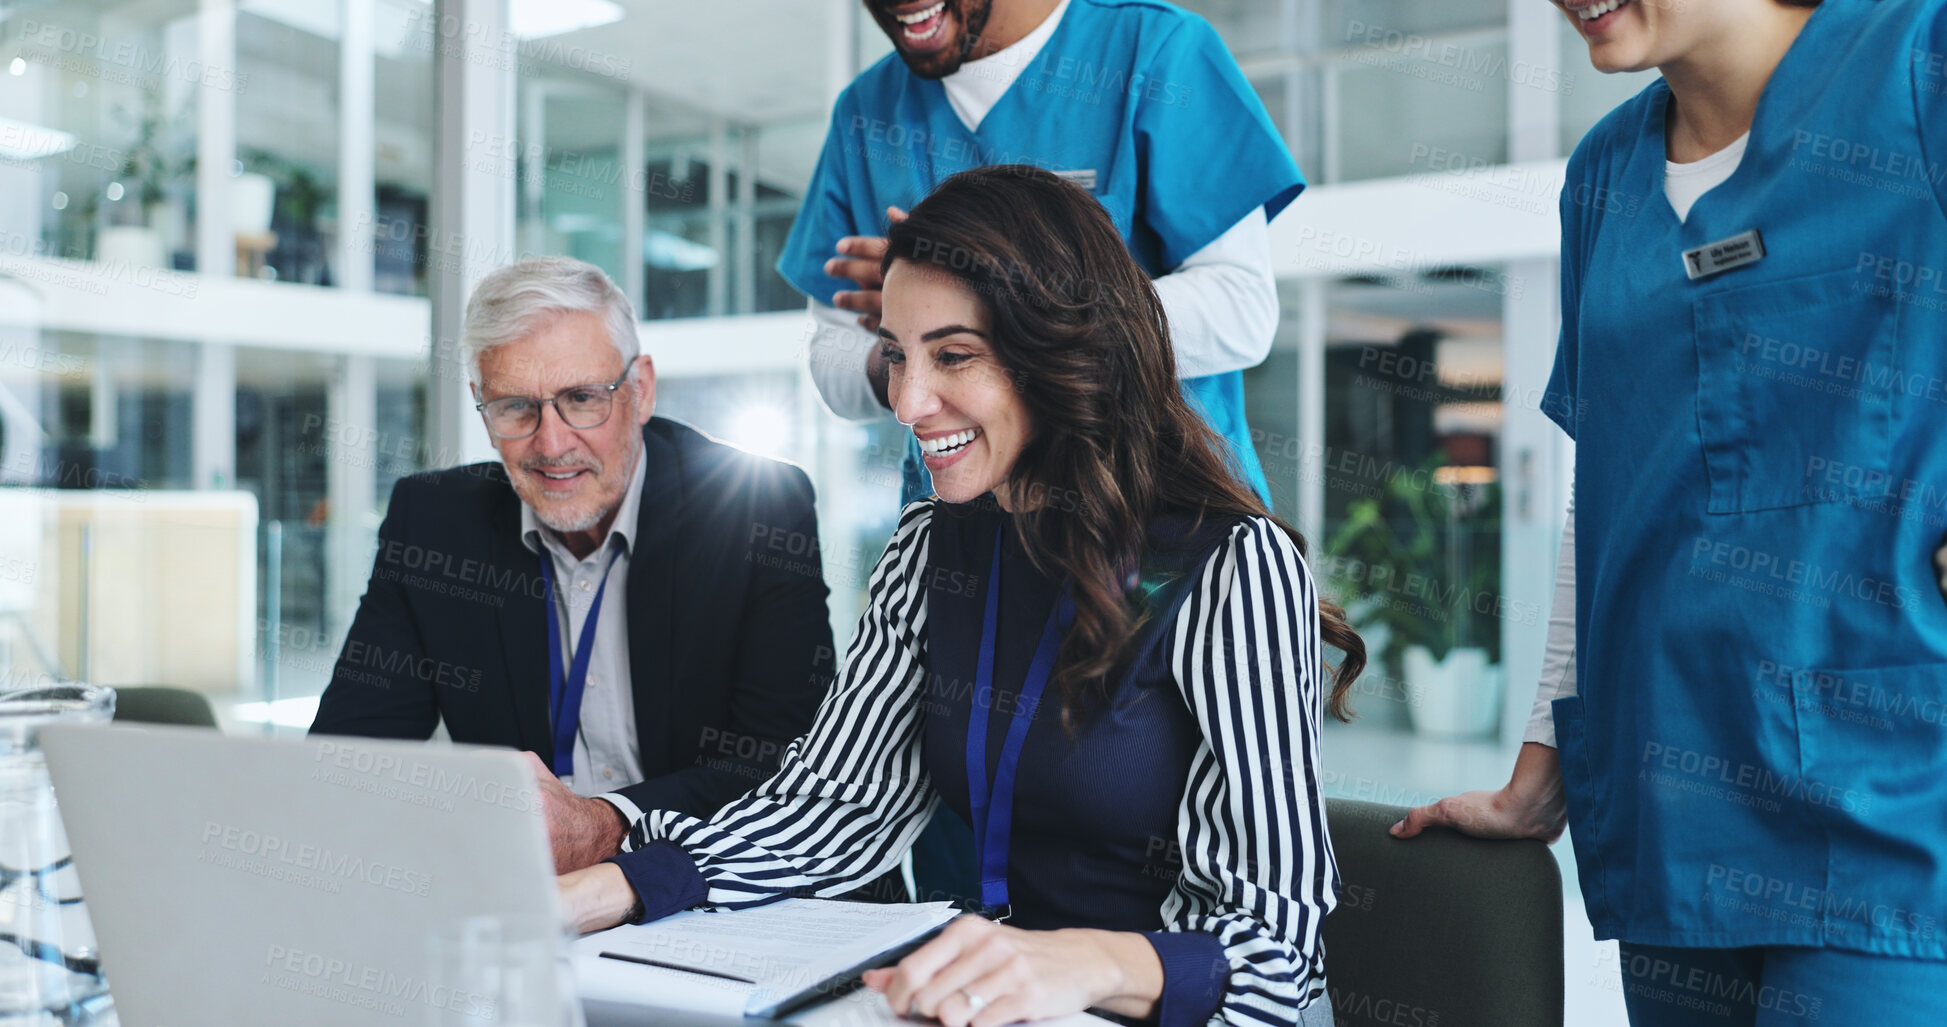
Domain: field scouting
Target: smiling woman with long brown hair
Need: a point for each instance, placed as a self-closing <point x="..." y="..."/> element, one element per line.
<point x="1159" y="837"/>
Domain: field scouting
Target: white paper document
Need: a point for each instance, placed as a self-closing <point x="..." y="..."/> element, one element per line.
<point x="869" y="1009"/>
<point x="747" y="962"/>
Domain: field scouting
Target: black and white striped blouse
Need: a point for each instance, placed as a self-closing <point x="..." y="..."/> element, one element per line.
<point x="1257" y="870"/>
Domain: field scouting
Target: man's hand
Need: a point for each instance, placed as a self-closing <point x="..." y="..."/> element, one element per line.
<point x="1530" y="806"/>
<point x="582" y="832"/>
<point x="858" y="259"/>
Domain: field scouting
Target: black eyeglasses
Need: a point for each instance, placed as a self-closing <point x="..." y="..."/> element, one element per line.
<point x="580" y="406"/>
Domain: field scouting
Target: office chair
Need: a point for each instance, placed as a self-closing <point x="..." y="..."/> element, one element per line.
<point x="1441" y="930"/>
<point x="161" y="705"/>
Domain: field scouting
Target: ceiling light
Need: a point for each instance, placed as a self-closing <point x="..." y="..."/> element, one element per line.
<point x="763" y="428"/>
<point x="533" y="19"/>
<point x="666" y="252"/>
<point x="393" y="21"/>
<point x="282" y="712"/>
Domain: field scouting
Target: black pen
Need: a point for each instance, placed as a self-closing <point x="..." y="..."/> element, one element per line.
<point x="677" y="966"/>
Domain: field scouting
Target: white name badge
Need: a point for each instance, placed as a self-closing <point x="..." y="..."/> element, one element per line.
<point x="1724" y="255"/>
<point x="1084" y="177"/>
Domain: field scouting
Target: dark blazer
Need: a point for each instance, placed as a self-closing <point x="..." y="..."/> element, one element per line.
<point x="730" y="647"/>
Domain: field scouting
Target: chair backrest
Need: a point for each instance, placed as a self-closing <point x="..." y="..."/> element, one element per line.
<point x="161" y="705"/>
<point x="1442" y="929"/>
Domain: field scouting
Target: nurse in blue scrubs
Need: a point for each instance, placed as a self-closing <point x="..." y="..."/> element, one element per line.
<point x="1746" y="719"/>
<point x="1136" y="101"/>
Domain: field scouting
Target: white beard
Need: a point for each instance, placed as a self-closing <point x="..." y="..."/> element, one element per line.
<point x="578" y="524"/>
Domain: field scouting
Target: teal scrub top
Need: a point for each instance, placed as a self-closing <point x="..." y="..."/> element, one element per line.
<point x="1136" y="100"/>
<point x="1758" y="753"/>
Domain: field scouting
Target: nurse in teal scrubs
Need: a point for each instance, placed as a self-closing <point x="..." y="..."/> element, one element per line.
<point x="1749" y="732"/>
<point x="1137" y="102"/>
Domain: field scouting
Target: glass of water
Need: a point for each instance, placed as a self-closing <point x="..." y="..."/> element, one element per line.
<point x="504" y="972"/>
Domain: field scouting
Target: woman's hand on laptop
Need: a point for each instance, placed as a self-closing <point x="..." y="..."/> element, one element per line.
<point x="1531" y="805"/>
<point x="596" y="898"/>
<point x="984" y="974"/>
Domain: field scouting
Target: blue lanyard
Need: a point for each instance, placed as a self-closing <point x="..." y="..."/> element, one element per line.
<point x="993" y="807"/>
<point x="564" y="696"/>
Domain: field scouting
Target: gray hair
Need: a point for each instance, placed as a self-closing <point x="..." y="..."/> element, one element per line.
<point x="510" y="304"/>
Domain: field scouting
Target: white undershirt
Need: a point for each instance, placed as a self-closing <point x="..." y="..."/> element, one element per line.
<point x="1221" y="302"/>
<point x="1683" y="184"/>
<point x="977" y="86"/>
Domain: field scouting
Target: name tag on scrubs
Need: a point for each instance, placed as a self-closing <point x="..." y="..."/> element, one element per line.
<point x="1084" y="178"/>
<point x="1724" y="255"/>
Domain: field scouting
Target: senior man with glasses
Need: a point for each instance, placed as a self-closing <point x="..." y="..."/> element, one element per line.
<point x="637" y="605"/>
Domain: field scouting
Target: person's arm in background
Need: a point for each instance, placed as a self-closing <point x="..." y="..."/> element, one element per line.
<point x="1222" y="301"/>
<point x="848" y="800"/>
<point x="373" y="691"/>
<point x="1558" y="657"/>
<point x="1222" y="305"/>
<point x="1212" y="232"/>
<point x="844" y="364"/>
<point x="837" y="269"/>
<point x="1531" y="804"/>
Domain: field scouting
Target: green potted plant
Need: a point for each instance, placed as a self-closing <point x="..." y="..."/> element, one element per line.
<point x="142" y="217"/>
<point x="286" y="192"/>
<point x="1419" y="563"/>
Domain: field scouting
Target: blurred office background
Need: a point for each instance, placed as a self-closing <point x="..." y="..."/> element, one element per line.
<point x="235" y="236"/>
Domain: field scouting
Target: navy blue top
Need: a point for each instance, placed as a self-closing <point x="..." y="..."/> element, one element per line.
<point x="1094" y="851"/>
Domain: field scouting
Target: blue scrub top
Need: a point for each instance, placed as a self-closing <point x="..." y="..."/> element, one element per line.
<point x="1757" y="755"/>
<point x="1140" y="96"/>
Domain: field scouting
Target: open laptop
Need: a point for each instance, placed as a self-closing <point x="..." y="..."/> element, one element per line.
<point x="256" y="881"/>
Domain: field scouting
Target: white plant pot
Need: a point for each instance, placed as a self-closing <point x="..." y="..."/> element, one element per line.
<point x="253" y="198"/>
<point x="131" y="245"/>
<point x="1458" y="697"/>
